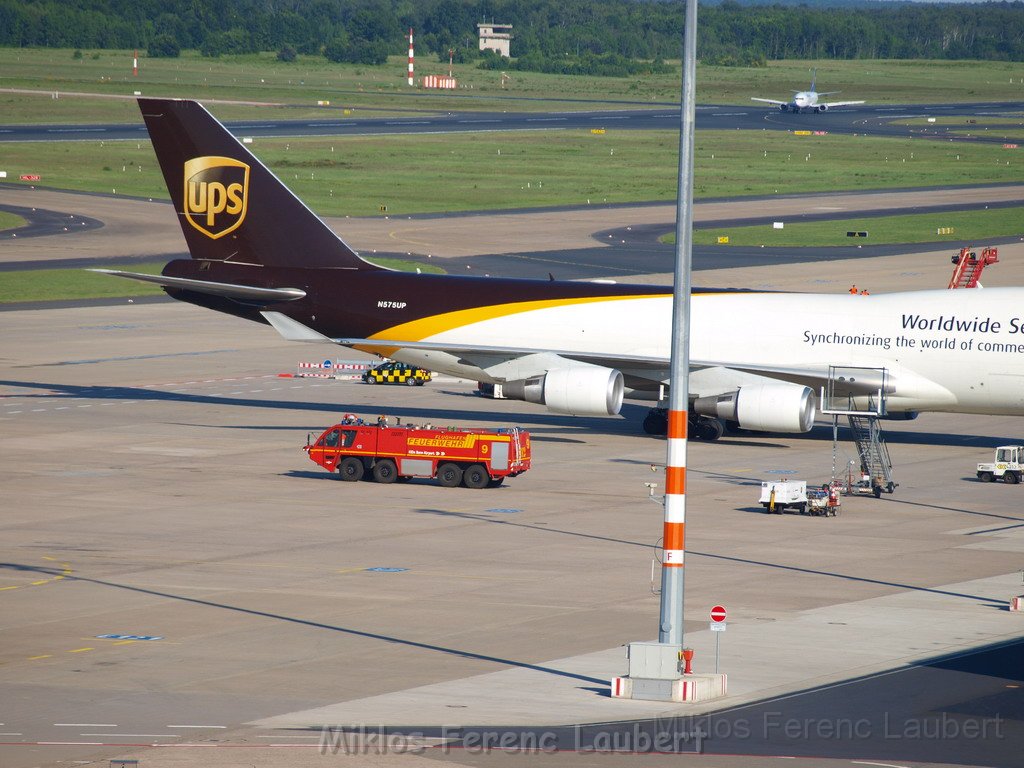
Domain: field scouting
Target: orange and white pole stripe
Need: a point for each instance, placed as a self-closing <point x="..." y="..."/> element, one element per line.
<point x="410" y="57"/>
<point x="674" y="537"/>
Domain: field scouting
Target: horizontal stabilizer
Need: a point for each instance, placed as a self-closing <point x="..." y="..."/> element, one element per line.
<point x="293" y="330"/>
<point x="230" y="290"/>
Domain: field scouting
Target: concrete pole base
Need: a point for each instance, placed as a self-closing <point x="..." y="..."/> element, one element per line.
<point x="689" y="688"/>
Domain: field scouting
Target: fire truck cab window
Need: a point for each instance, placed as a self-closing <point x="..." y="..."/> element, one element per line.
<point x="331" y="439"/>
<point x="348" y="436"/>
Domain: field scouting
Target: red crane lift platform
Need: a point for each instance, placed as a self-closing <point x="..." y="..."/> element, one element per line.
<point x="968" y="267"/>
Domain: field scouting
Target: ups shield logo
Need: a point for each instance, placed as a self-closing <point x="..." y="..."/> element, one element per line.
<point x="216" y="194"/>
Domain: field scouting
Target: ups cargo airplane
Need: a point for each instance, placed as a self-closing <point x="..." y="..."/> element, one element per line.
<point x="759" y="359"/>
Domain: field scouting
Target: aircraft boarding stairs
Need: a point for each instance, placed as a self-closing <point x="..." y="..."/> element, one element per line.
<point x="837" y="399"/>
<point x="968" y="267"/>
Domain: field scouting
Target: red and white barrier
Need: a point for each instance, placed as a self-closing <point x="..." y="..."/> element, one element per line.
<point x="331" y="369"/>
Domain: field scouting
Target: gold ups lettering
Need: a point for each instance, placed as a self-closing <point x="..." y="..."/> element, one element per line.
<point x="216" y="194"/>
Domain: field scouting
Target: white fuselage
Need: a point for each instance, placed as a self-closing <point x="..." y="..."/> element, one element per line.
<point x="959" y="351"/>
<point x="804" y="100"/>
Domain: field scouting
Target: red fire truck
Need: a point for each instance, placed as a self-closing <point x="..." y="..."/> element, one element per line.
<point x="475" y="458"/>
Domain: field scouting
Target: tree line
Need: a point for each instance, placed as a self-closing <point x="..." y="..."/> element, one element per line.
<point x="610" y="37"/>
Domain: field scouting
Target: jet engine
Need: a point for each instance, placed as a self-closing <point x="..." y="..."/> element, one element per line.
<point x="580" y="390"/>
<point x="763" y="407"/>
<point x="822" y="108"/>
<point x="783" y="107"/>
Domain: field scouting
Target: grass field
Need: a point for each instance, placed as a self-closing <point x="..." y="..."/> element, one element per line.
<point x="967" y="226"/>
<point x="10" y="221"/>
<point x="299" y="85"/>
<point x="52" y="284"/>
<point x="458" y="172"/>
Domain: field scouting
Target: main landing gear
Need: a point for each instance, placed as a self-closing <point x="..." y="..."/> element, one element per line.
<point x="698" y="427"/>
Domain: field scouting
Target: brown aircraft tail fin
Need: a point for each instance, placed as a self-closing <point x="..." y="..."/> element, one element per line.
<point x="230" y="206"/>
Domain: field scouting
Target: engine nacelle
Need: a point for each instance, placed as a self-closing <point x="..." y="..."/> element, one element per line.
<point x="763" y="407"/>
<point x="580" y="390"/>
<point x="822" y="107"/>
<point x="783" y="107"/>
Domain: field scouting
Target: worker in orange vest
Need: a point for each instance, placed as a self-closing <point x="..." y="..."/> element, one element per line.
<point x="853" y="290"/>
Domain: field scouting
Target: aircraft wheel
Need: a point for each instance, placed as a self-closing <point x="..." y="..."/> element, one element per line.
<point x="655" y="423"/>
<point x="449" y="475"/>
<point x="351" y="469"/>
<point x="475" y="476"/>
<point x="385" y="471"/>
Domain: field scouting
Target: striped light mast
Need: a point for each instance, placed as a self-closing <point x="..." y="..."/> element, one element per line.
<point x="670" y="625"/>
<point x="135" y="64"/>
<point x="410" y="57"/>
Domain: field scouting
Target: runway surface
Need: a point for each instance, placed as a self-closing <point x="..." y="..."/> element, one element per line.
<point x="880" y="120"/>
<point x="175" y="570"/>
<point x="181" y="586"/>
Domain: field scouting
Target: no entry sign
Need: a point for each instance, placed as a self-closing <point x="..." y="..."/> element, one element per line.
<point x="718" y="613"/>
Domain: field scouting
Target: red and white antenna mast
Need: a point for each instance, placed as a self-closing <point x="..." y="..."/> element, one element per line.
<point x="135" y="64"/>
<point x="410" y="57"/>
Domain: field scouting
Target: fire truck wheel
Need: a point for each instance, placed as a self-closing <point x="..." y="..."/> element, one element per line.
<point x="351" y="469"/>
<point x="475" y="476"/>
<point x="449" y="475"/>
<point x="495" y="482"/>
<point x="385" y="471"/>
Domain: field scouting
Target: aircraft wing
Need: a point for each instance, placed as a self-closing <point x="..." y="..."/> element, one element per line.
<point x="831" y="104"/>
<point x="769" y="101"/>
<point x="293" y="330"/>
<point x="651" y="368"/>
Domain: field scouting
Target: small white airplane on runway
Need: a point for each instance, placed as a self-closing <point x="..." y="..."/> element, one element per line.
<point x="808" y="100"/>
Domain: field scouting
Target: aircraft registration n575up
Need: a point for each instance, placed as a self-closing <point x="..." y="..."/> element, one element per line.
<point x="758" y="359"/>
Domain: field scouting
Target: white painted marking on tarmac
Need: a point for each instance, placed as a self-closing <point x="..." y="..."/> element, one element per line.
<point x="137" y="735"/>
<point x="68" y="743"/>
<point x="85" y="725"/>
<point x="195" y="726"/>
<point x="410" y="122"/>
<point x="885" y="765"/>
<point x="545" y="119"/>
<point x="282" y="736"/>
<point x="38" y="410"/>
<point x="12" y="734"/>
<point x="479" y="121"/>
<point x="727" y="114"/>
<point x="11" y="413"/>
